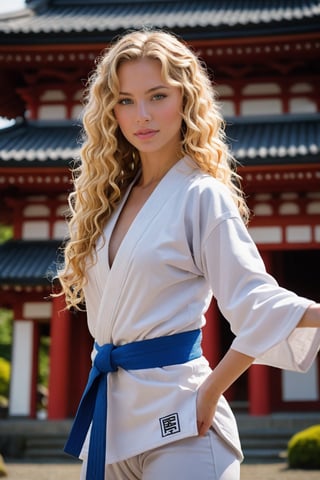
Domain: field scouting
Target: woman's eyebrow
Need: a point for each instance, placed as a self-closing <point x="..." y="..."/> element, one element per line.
<point x="150" y="90"/>
<point x="157" y="88"/>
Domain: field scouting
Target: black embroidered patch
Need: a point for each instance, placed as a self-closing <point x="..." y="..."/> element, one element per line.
<point x="169" y="424"/>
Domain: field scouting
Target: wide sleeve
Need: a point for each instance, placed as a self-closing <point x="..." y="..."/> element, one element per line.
<point x="262" y="315"/>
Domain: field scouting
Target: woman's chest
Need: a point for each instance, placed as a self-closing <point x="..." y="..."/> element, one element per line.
<point x="131" y="208"/>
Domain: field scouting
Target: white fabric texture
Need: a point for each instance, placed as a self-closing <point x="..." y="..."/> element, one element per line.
<point x="193" y="458"/>
<point x="186" y="244"/>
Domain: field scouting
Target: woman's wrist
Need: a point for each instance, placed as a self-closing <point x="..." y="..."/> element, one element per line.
<point x="311" y="317"/>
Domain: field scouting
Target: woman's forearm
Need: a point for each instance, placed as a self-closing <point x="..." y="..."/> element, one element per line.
<point x="228" y="370"/>
<point x="311" y="317"/>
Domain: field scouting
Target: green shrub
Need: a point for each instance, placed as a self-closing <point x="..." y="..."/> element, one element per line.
<point x="304" y="449"/>
<point x="4" y="376"/>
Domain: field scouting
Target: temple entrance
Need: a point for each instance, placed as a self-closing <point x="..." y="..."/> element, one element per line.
<point x="298" y="271"/>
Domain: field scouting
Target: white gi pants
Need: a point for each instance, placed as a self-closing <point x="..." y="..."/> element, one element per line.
<point x="193" y="458"/>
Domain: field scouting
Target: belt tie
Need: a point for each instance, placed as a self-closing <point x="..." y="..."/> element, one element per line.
<point x="155" y="352"/>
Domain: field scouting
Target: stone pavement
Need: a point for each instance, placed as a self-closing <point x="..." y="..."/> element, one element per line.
<point x="71" y="471"/>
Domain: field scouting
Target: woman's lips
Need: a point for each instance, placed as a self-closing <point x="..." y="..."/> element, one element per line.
<point x="145" y="134"/>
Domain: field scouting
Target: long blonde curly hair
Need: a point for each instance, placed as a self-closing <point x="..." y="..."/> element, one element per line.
<point x="108" y="162"/>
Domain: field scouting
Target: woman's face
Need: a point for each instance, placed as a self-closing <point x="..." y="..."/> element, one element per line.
<point x="148" y="110"/>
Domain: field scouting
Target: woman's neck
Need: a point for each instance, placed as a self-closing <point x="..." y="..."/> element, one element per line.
<point x="153" y="170"/>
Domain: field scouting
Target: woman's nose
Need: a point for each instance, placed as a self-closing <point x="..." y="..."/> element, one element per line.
<point x="143" y="114"/>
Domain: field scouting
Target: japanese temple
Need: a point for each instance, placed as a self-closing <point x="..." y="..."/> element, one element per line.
<point x="265" y="64"/>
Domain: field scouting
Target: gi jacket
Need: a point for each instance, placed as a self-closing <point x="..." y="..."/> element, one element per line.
<point x="185" y="245"/>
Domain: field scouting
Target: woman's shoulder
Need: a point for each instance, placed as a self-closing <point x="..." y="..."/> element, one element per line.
<point x="209" y="193"/>
<point x="205" y="186"/>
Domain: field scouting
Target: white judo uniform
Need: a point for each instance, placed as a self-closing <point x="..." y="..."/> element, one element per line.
<point x="186" y="245"/>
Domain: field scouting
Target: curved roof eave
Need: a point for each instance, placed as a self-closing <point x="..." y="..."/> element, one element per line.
<point x="90" y="22"/>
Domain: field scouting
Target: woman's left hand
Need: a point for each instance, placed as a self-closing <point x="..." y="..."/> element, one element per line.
<point x="206" y="408"/>
<point x="232" y="365"/>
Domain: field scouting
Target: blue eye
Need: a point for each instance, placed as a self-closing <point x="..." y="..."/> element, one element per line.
<point x="159" y="96"/>
<point x="125" y="101"/>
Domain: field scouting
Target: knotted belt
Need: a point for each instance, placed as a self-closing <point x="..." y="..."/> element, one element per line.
<point x="155" y="352"/>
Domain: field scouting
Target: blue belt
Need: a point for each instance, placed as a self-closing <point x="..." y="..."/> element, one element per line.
<point x="155" y="352"/>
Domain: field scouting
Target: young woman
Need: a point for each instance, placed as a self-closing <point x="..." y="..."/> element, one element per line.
<point x="157" y="229"/>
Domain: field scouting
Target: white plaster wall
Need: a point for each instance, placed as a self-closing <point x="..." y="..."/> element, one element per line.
<point x="302" y="105"/>
<point x="299" y="234"/>
<point x="261" y="89"/>
<point x="35" y="230"/>
<point x="77" y="112"/>
<point x="37" y="310"/>
<point x="263" y="209"/>
<point x="21" y="368"/>
<point x="227" y="108"/>
<point x="261" y="107"/>
<point x="36" y="211"/>
<point x="52" y="112"/>
<point x="266" y="234"/>
<point x="53" y="95"/>
<point x="300" y="386"/>
<point x="60" y="230"/>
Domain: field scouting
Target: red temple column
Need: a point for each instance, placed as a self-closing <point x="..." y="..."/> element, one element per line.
<point x="211" y="335"/>
<point x="259" y="385"/>
<point x="59" y="360"/>
<point x="35" y="369"/>
<point x="81" y="347"/>
<point x="259" y="390"/>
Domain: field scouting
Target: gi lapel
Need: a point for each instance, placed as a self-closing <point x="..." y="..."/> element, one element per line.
<point x="113" y="279"/>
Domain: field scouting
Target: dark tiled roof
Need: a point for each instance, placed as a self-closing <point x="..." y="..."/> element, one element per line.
<point x="103" y="19"/>
<point x="36" y="143"/>
<point x="254" y="141"/>
<point x="275" y="140"/>
<point x="27" y="262"/>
